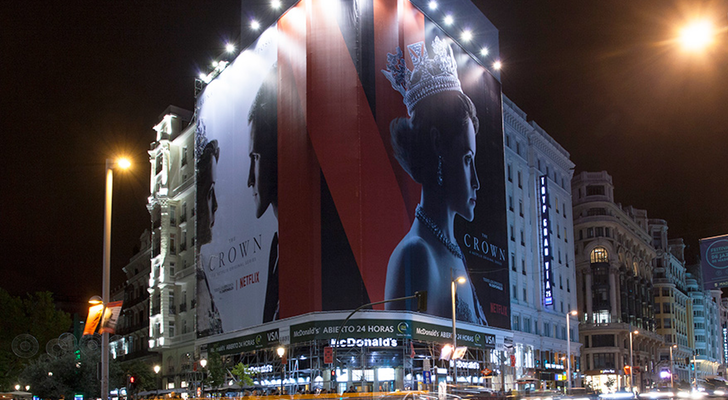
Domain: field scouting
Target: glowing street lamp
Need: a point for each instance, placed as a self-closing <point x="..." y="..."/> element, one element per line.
<point x="631" y="360"/>
<point x="122" y="163"/>
<point x="697" y="36"/>
<point x="568" y="349"/>
<point x="282" y="353"/>
<point x="672" y="368"/>
<point x="453" y="289"/>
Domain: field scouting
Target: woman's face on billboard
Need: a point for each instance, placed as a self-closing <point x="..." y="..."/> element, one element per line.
<point x="459" y="175"/>
<point x="260" y="173"/>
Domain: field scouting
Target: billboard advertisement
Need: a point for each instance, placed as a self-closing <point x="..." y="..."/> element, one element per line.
<point x="352" y="154"/>
<point x="714" y="261"/>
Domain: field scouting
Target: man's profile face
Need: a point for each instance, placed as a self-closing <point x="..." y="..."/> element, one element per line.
<point x="260" y="174"/>
<point x="206" y="198"/>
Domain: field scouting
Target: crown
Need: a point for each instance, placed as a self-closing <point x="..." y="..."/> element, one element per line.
<point x="428" y="76"/>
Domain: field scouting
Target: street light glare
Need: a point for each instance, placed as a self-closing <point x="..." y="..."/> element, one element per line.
<point x="230" y="47"/>
<point x="574" y="312"/>
<point x="281" y="351"/>
<point x="95" y="300"/>
<point x="697" y="36"/>
<point x="123" y="163"/>
<point x="461" y="280"/>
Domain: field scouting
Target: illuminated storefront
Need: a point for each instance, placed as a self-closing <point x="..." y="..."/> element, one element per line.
<point x="379" y="351"/>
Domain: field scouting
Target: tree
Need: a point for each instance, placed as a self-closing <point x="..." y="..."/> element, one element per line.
<point x="35" y="315"/>
<point x="142" y="372"/>
<point x="72" y="372"/>
<point x="216" y="371"/>
<point x="243" y="375"/>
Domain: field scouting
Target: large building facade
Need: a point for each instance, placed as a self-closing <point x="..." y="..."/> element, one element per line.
<point x="235" y="279"/>
<point x="614" y="256"/>
<point x="540" y="330"/>
<point x="673" y="307"/>
<point x="172" y="279"/>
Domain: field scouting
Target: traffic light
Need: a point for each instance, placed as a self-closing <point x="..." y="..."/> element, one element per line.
<point x="692" y="367"/>
<point x="333" y="374"/>
<point x="421" y="300"/>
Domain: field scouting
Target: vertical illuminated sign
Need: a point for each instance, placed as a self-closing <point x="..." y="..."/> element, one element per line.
<point x="548" y="298"/>
<point x="725" y="343"/>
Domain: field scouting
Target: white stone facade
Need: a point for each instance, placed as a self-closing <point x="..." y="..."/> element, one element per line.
<point x="540" y="331"/>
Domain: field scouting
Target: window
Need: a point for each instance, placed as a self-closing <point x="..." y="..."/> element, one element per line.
<point x="667" y="323"/>
<point x="513" y="235"/>
<point x="666" y="308"/>
<point x="557" y="204"/>
<point x="595" y="190"/>
<point x="523" y="267"/>
<point x="525" y="297"/>
<point x="172" y="247"/>
<point x="514" y="292"/>
<point x="509" y="173"/>
<point x="508" y="140"/>
<point x="520" y="180"/>
<point x="172" y="309"/>
<point x="547" y="329"/>
<point x="589" y="232"/>
<point x="520" y="207"/>
<point x="602" y="340"/>
<point x="604" y="361"/>
<point x="518" y="147"/>
<point x="527" y="325"/>
<point x="523" y="239"/>
<point x="596" y="211"/>
<point x="599" y="231"/>
<point x="513" y="261"/>
<point x="171" y="329"/>
<point x="568" y="287"/>
<point x="566" y="238"/>
<point x="510" y="203"/>
<point x="515" y="324"/>
<point x="172" y="215"/>
<point x="184" y="156"/>
<point x="599" y="255"/>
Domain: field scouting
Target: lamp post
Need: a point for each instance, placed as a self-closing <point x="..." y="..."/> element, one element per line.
<point x="122" y="163"/>
<point x="568" y="349"/>
<point x="203" y="364"/>
<point x="157" y="368"/>
<point x="282" y="354"/>
<point x="453" y="290"/>
<point x="631" y="360"/>
<point x="672" y="368"/>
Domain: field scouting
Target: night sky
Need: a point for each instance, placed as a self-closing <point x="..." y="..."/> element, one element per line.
<point x="84" y="80"/>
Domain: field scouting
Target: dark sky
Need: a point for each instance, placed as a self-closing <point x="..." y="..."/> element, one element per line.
<point x="83" y="80"/>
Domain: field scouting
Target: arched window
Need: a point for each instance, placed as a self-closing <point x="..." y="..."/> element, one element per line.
<point x="599" y="255"/>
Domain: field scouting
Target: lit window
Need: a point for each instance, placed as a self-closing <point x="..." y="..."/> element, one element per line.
<point x="599" y="254"/>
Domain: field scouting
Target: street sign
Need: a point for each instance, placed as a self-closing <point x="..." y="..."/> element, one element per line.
<point x="328" y="355"/>
<point x="426" y="379"/>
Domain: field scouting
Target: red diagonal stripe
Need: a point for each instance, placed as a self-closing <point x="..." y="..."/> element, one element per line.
<point x="350" y="151"/>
